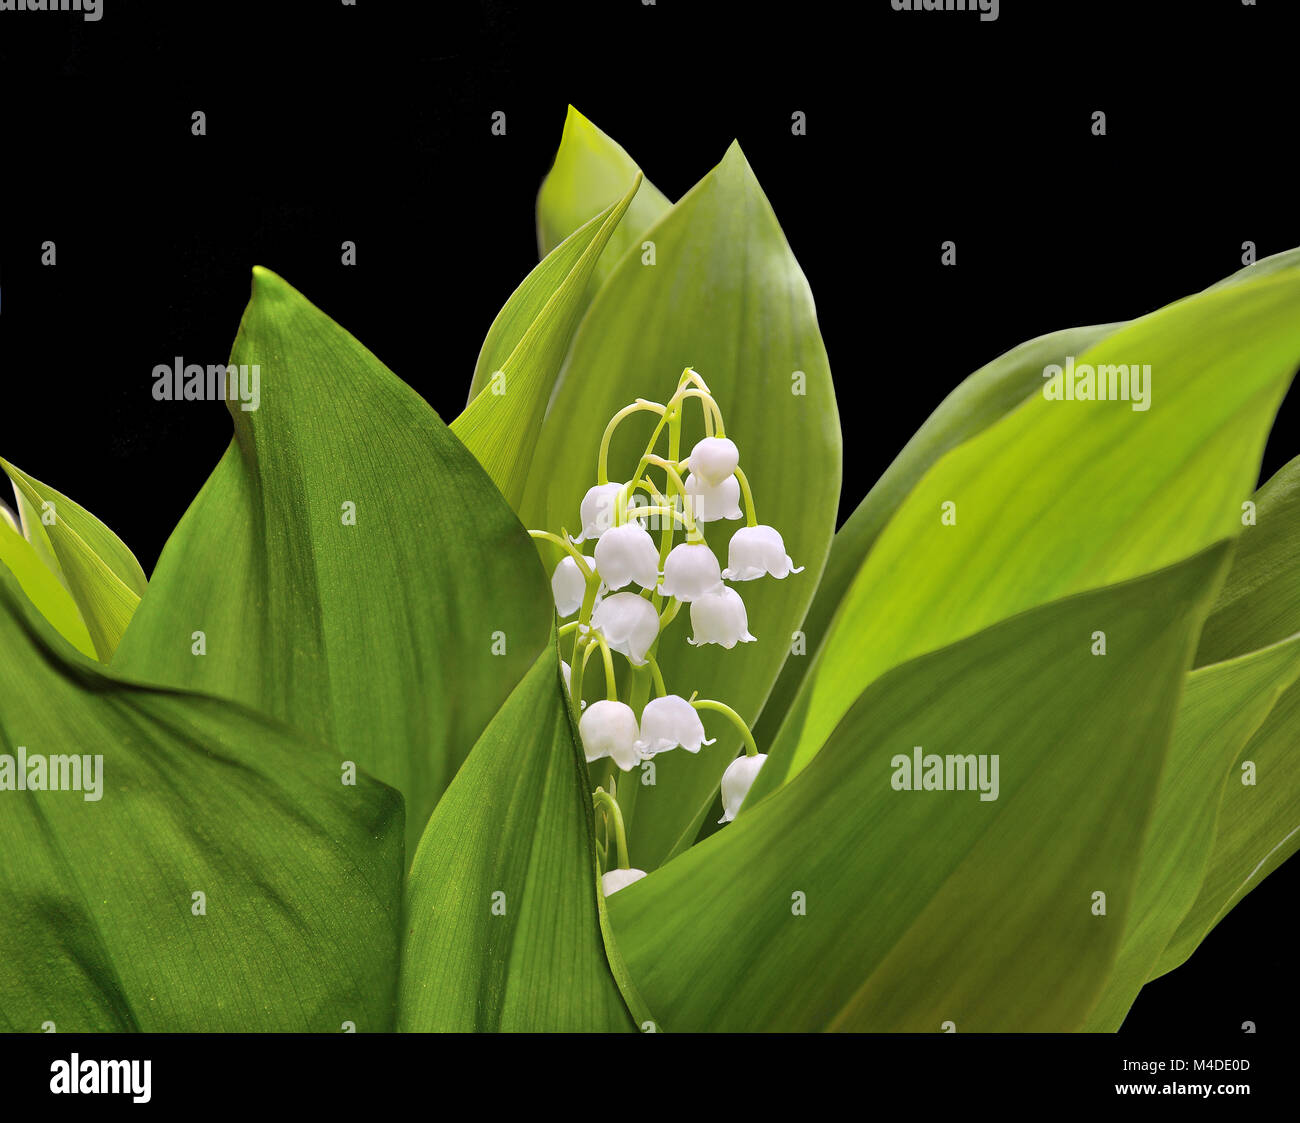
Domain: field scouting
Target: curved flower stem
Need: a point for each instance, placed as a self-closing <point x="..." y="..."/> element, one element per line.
<point x="565" y="544"/>
<point x="669" y="614"/>
<point x="639" y="406"/>
<point x="660" y="688"/>
<point x="713" y="426"/>
<point x="751" y="514"/>
<point x="611" y="682"/>
<point x="578" y="667"/>
<point x="672" y="512"/>
<point x="751" y="749"/>
<point x="602" y="799"/>
<point x="693" y="533"/>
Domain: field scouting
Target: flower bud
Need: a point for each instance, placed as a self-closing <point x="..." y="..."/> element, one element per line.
<point x="736" y="782"/>
<point x="690" y="571"/>
<point x="614" y="880"/>
<point x="568" y="586"/>
<point x="713" y="459"/>
<point x="755" y="551"/>
<point x="629" y="624"/>
<point x="627" y="553"/>
<point x="720" y="618"/>
<point x="609" y="728"/>
<point x="711" y="503"/>
<point x="668" y="722"/>
<point x="598" y="510"/>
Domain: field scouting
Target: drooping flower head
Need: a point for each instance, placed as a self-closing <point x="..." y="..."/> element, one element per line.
<point x="609" y="729"/>
<point x="756" y="551"/>
<point x="690" y="572"/>
<point x="736" y="782"/>
<point x="668" y="722"/>
<point x="568" y="586"/>
<point x="614" y="880"/>
<point x="629" y="624"/>
<point x="597" y="510"/>
<point x="712" y="502"/>
<point x="627" y="553"/>
<point x="713" y="459"/>
<point x="720" y="618"/>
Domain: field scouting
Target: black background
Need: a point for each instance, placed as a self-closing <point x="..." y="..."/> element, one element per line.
<point x="371" y="123"/>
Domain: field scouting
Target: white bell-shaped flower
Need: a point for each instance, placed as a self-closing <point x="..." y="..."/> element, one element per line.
<point x="568" y="586"/>
<point x="629" y="624"/>
<point x="627" y="553"/>
<point x="713" y="459"/>
<point x="720" y="618"/>
<point x="598" y="510"/>
<point x="711" y="503"/>
<point x="690" y="572"/>
<point x="614" y="880"/>
<point x="736" y="782"/>
<point x="755" y="551"/>
<point x="609" y="728"/>
<point x="668" y="722"/>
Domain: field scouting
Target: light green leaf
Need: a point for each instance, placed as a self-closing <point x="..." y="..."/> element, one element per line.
<point x="43" y="588"/>
<point x="395" y="639"/>
<point x="983" y="398"/>
<point x="1222" y="706"/>
<point x="841" y="902"/>
<point x="102" y="575"/>
<point x="1258" y="825"/>
<point x="526" y="347"/>
<point x="502" y="924"/>
<point x="1062" y="496"/>
<point x="727" y="297"/>
<point x="297" y="928"/>
<point x="592" y="172"/>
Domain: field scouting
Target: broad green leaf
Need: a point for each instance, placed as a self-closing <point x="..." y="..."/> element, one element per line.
<point x="727" y="297"/>
<point x="591" y="172"/>
<point x="984" y="397"/>
<point x="500" y="425"/>
<point x="1222" y="706"/>
<point x="987" y="395"/>
<point x="105" y="580"/>
<point x="395" y="639"/>
<point x="43" y="588"/>
<point x="1062" y="496"/>
<point x="297" y="929"/>
<point x="841" y="902"/>
<point x="1258" y="825"/>
<point x="502" y="930"/>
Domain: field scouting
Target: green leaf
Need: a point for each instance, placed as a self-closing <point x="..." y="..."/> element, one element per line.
<point x="1258" y="825"/>
<point x="301" y="874"/>
<point x="1062" y="496"/>
<point x="1222" y="706"/>
<point x="43" y="588"/>
<point x="101" y="574"/>
<point x="922" y="907"/>
<point x="526" y="347"/>
<point x="592" y="172"/>
<point x="727" y="297"/>
<point x="983" y="398"/>
<point x="502" y="924"/>
<point x="395" y="639"/>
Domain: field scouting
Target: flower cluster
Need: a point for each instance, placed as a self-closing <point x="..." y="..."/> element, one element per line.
<point x="630" y="588"/>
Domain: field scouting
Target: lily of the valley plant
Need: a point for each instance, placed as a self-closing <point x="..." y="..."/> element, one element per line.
<point x="994" y="755"/>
